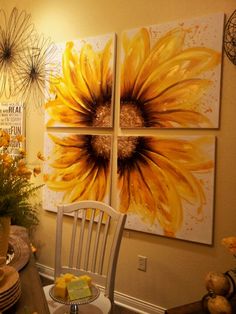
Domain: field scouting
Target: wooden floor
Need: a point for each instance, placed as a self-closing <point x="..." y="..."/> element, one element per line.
<point x="117" y="310"/>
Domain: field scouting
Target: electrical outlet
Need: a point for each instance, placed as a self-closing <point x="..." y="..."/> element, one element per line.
<point x="142" y="263"/>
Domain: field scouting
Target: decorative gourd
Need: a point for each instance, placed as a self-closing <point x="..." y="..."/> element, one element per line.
<point x="218" y="283"/>
<point x="218" y="304"/>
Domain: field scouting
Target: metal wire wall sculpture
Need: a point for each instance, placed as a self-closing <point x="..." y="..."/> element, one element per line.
<point x="35" y="69"/>
<point x="230" y="38"/>
<point x="14" y="35"/>
<point x="26" y="59"/>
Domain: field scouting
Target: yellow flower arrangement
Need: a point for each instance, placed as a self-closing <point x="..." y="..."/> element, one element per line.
<point x="16" y="187"/>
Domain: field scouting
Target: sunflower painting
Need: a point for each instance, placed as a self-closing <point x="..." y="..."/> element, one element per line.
<point x="165" y="185"/>
<point x="77" y="168"/>
<point x="82" y="95"/>
<point x="169" y="78"/>
<point x="170" y="74"/>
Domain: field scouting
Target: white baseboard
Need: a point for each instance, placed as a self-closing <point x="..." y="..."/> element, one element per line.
<point x="137" y="305"/>
<point x="124" y="300"/>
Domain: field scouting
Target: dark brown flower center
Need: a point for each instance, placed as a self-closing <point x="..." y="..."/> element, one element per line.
<point x="102" y="117"/>
<point x="7" y="53"/>
<point x="126" y="146"/>
<point x="130" y="116"/>
<point x="33" y="74"/>
<point x="102" y="145"/>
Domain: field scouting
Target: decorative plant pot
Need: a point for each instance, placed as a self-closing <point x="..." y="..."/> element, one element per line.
<point x="5" y="223"/>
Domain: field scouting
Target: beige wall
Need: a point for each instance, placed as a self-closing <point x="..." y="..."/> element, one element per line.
<point x="176" y="269"/>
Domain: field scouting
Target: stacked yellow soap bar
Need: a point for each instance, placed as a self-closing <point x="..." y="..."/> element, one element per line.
<point x="61" y="283"/>
<point x="78" y="289"/>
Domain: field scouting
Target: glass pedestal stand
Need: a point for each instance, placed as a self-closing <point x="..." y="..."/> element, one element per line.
<point x="74" y="305"/>
<point x="74" y="309"/>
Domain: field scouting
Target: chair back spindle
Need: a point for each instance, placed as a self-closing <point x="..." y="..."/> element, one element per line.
<point x="94" y="241"/>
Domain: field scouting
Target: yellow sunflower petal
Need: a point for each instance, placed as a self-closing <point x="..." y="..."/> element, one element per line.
<point x="182" y="95"/>
<point x="79" y="190"/>
<point x="142" y="203"/>
<point x="164" y="49"/>
<point x="68" y="178"/>
<point x="65" y="97"/>
<point x="74" y="78"/>
<point x="185" y="183"/>
<point x="136" y="51"/>
<point x="188" y="64"/>
<point x="158" y="200"/>
<point x="167" y="201"/>
<point x="102" y="181"/>
<point x="124" y="192"/>
<point x="106" y="68"/>
<point x="194" y="155"/>
<point x="177" y="161"/>
<point x="65" y="158"/>
<point x="58" y="185"/>
<point x="179" y="118"/>
<point x="88" y="187"/>
<point x="90" y="64"/>
<point x="71" y="140"/>
<point x="60" y="113"/>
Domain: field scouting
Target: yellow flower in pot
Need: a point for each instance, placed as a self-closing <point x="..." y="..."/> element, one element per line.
<point x="16" y="188"/>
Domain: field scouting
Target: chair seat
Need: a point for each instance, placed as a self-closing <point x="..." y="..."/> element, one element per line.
<point x="101" y="305"/>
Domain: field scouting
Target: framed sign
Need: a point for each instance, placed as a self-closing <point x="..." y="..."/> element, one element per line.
<point x="12" y="120"/>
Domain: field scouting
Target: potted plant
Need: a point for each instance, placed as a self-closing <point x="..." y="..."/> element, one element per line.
<point x="16" y="188"/>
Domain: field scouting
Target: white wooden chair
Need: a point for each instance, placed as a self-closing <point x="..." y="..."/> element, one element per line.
<point x="88" y="237"/>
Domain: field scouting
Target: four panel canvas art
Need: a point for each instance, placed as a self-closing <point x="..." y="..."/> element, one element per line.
<point x="169" y="79"/>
